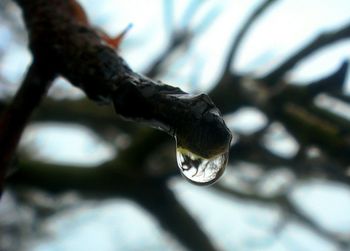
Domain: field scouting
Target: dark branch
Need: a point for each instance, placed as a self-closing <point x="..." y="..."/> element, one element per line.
<point x="84" y="112"/>
<point x="80" y="55"/>
<point x="16" y="116"/>
<point x="174" y="217"/>
<point x="243" y="31"/>
<point x="284" y="202"/>
<point x="178" y="39"/>
<point x="333" y="83"/>
<point x="321" y="41"/>
<point x="105" y="181"/>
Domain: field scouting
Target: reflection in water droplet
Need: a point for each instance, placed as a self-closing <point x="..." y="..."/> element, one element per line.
<point x="199" y="170"/>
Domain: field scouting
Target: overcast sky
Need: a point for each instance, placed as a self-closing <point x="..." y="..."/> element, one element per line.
<point x="283" y="29"/>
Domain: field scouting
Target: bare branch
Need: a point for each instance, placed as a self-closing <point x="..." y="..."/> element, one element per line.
<point x="178" y="39"/>
<point x="180" y="36"/>
<point x="243" y="31"/>
<point x="162" y="203"/>
<point x="84" y="112"/>
<point x="284" y="202"/>
<point x="334" y="83"/>
<point x="106" y="181"/>
<point x="15" y="117"/>
<point x="80" y="55"/>
<point x="321" y="41"/>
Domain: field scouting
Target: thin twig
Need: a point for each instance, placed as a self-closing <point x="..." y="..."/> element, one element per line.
<point x="160" y="201"/>
<point x="15" y="117"/>
<point x="105" y="182"/>
<point x="284" y="202"/>
<point x="321" y="41"/>
<point x="243" y="31"/>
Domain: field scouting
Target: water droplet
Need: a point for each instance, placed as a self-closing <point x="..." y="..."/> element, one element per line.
<point x="200" y="171"/>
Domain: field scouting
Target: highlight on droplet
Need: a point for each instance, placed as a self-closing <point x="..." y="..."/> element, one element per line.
<point x="198" y="170"/>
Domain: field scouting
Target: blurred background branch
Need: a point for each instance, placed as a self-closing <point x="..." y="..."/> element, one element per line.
<point x="312" y="115"/>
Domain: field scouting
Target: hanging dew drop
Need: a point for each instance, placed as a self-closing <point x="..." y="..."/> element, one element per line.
<point x="200" y="171"/>
<point x="202" y="139"/>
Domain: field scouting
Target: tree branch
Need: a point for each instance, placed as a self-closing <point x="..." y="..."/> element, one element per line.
<point x="80" y="55"/>
<point x="83" y="112"/>
<point x="178" y="39"/>
<point x="334" y="83"/>
<point x="284" y="202"/>
<point x="321" y="41"/>
<point x="161" y="202"/>
<point x="105" y="181"/>
<point x="243" y="31"/>
<point x="16" y="116"/>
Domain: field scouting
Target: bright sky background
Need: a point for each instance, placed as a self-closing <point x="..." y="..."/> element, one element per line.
<point x="283" y="29"/>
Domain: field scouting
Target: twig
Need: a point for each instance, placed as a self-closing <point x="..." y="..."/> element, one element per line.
<point x="284" y="202"/>
<point x="84" y="112"/>
<point x="178" y="39"/>
<point x="321" y="41"/>
<point x="243" y="31"/>
<point x="105" y="181"/>
<point x="162" y="203"/>
<point x="334" y="83"/>
<point x="15" y="117"/>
